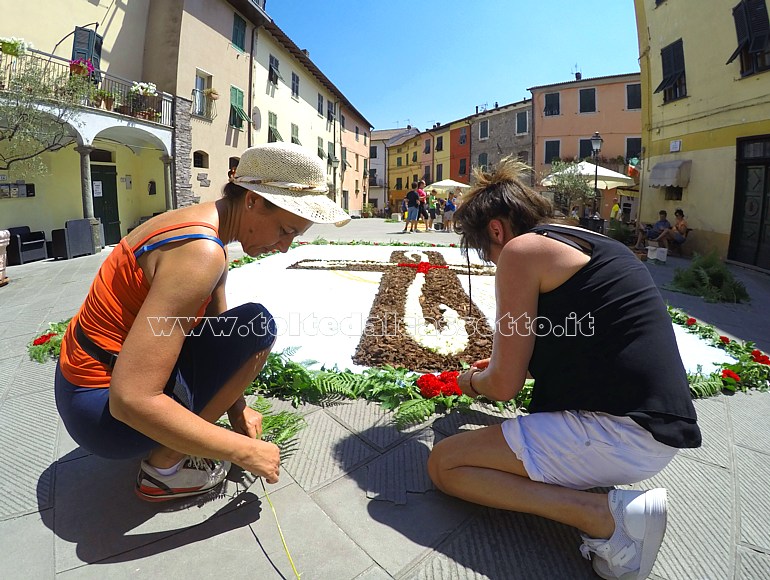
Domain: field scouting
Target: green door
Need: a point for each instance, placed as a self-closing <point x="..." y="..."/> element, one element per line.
<point x="104" y="190"/>
<point x="750" y="236"/>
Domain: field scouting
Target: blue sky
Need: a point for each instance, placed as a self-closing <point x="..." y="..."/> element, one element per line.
<point x="427" y="61"/>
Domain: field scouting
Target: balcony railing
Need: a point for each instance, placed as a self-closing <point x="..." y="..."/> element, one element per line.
<point x="375" y="182"/>
<point x="203" y="105"/>
<point x="106" y="92"/>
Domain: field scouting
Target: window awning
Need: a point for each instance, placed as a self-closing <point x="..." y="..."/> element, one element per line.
<point x="274" y="134"/>
<point x="241" y="113"/>
<point x="671" y="173"/>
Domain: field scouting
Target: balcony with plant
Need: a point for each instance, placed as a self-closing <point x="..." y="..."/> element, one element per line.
<point x="29" y="73"/>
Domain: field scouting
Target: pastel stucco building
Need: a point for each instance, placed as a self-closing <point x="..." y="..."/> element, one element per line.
<point x="705" y="78"/>
<point x="565" y="116"/>
<point x="226" y="77"/>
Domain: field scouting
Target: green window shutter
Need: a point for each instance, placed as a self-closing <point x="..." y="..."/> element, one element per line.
<point x="237" y="114"/>
<point x="86" y="44"/>
<point x="239" y="32"/>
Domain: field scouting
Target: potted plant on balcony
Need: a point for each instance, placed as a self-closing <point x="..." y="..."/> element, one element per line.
<point x="143" y="96"/>
<point x="110" y="99"/>
<point x="99" y="96"/>
<point x="81" y="67"/>
<point x="211" y="93"/>
<point x="13" y="46"/>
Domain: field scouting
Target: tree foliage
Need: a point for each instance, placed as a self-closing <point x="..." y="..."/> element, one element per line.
<point x="39" y="105"/>
<point x="571" y="187"/>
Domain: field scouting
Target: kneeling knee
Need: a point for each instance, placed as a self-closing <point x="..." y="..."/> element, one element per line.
<point x="437" y="466"/>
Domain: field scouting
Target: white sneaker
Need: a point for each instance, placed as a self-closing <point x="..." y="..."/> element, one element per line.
<point x="196" y="476"/>
<point x="640" y="524"/>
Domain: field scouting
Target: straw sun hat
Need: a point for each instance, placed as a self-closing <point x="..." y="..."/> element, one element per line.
<point x="291" y="177"/>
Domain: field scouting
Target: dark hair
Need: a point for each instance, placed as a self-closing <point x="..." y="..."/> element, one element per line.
<point x="234" y="192"/>
<point x="663" y="212"/>
<point x="678" y="211"/>
<point x="502" y="195"/>
<point x="414" y="185"/>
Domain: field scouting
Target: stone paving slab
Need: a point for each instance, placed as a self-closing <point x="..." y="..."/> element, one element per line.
<point x="28" y="427"/>
<point x="396" y="537"/>
<point x="27" y="548"/>
<point x="326" y="439"/>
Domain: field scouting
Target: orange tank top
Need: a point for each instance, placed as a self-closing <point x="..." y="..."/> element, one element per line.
<point x="110" y="309"/>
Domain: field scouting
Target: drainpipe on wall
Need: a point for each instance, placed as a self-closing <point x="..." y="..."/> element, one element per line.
<point x="252" y="54"/>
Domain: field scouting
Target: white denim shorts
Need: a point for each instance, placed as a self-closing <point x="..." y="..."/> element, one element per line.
<point x="582" y="449"/>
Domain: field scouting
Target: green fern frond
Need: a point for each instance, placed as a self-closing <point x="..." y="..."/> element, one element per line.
<point x="414" y="411"/>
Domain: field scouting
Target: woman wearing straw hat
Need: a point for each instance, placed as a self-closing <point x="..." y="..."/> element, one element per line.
<point x="566" y="296"/>
<point x="154" y="356"/>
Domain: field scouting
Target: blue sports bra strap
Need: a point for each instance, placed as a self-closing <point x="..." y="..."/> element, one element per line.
<point x="150" y="247"/>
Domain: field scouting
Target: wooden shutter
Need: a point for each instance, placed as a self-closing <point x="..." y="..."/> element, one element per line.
<point x="741" y="30"/>
<point x="82" y="43"/>
<point x="96" y="58"/>
<point x="759" y="25"/>
<point x="667" y="60"/>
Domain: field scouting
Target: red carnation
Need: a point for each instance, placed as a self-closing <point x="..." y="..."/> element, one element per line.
<point x="724" y="339"/>
<point x="430" y="386"/>
<point x="756" y="352"/>
<point x="728" y="374"/>
<point x="760" y="358"/>
<point x="449" y="380"/>
<point x="43" y="339"/>
<point x="690" y="321"/>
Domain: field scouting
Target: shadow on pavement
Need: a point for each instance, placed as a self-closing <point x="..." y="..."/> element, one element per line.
<point x="492" y="543"/>
<point x="97" y="516"/>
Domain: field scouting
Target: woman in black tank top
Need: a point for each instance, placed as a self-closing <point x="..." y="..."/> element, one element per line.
<point x="581" y="314"/>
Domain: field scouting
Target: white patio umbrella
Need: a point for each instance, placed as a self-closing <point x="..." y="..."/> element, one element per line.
<point x="607" y="179"/>
<point x="446" y="184"/>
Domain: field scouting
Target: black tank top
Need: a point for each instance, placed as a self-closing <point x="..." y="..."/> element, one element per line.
<point x="605" y="343"/>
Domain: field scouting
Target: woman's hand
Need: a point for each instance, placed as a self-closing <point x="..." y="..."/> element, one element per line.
<point x="245" y="420"/>
<point x="481" y="364"/>
<point x="262" y="459"/>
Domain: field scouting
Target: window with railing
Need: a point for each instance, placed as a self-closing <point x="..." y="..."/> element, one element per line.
<point x="295" y="134"/>
<point x="204" y="97"/>
<point x="463" y="135"/>
<point x="295" y="85"/>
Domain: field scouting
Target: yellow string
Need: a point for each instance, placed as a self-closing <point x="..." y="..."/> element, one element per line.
<point x="275" y="515"/>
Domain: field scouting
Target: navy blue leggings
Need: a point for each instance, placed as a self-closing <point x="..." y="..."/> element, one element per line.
<point x="208" y="359"/>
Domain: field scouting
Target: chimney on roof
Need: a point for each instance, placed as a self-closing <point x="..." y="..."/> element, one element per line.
<point x="306" y="52"/>
<point x="496" y="104"/>
<point x="408" y="126"/>
<point x="477" y="109"/>
<point x="578" y="76"/>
